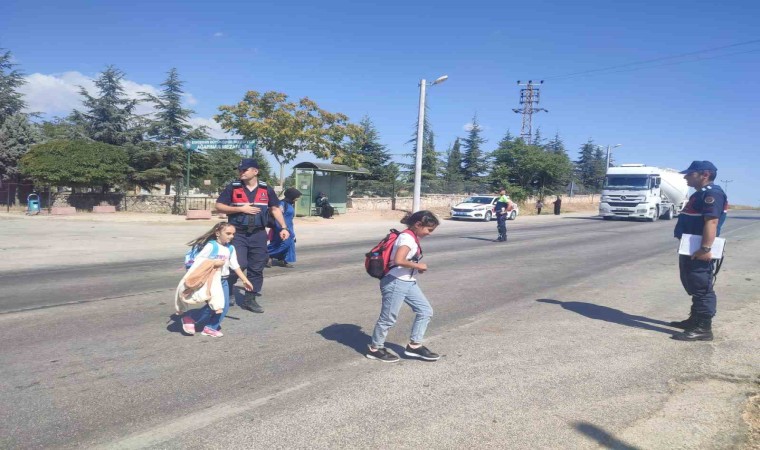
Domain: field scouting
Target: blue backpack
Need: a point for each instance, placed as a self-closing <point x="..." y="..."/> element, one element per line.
<point x="193" y="252"/>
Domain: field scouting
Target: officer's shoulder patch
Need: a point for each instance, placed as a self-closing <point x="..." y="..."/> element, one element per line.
<point x="262" y="183"/>
<point x="709" y="199"/>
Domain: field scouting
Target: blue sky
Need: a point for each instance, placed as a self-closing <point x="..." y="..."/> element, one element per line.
<point x="366" y="58"/>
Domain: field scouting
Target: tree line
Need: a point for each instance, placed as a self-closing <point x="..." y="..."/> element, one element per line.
<point x="106" y="145"/>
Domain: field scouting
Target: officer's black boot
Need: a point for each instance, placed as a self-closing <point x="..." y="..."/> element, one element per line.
<point x="691" y="322"/>
<point x="251" y="304"/>
<point x="701" y="332"/>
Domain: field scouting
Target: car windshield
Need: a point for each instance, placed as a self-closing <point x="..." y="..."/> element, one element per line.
<point x="481" y="200"/>
<point x="626" y="182"/>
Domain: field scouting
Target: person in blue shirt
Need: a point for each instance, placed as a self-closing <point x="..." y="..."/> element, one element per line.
<point x="703" y="215"/>
<point x="285" y="249"/>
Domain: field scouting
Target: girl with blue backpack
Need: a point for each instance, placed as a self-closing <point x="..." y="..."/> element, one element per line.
<point x="399" y="286"/>
<point x="214" y="245"/>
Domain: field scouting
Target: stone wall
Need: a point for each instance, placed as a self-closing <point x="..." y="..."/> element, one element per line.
<point x="447" y="201"/>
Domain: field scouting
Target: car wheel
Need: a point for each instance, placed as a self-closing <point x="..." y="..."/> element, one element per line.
<point x="487" y="217"/>
<point x="513" y="216"/>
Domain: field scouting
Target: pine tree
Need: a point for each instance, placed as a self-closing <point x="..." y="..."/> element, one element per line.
<point x="599" y="168"/>
<point x="372" y="154"/>
<point x="431" y="164"/>
<point x="556" y="145"/>
<point x="110" y="117"/>
<point x="11" y="100"/>
<point x="473" y="160"/>
<point x="16" y="136"/>
<point x="170" y="128"/>
<point x="585" y="164"/>
<point x="538" y="139"/>
<point x="453" y="168"/>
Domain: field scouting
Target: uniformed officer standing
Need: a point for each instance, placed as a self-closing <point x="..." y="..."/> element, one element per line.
<point x="502" y="209"/>
<point x="703" y="215"/>
<point x="247" y="203"/>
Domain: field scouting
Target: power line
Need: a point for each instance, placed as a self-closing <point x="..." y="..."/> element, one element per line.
<point x="663" y="58"/>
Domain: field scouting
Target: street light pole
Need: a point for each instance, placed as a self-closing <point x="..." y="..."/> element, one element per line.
<point x="725" y="183"/>
<point x="608" y="153"/>
<point x="420" y="134"/>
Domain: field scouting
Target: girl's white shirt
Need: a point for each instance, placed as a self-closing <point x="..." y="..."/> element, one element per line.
<point x="227" y="254"/>
<point x="403" y="273"/>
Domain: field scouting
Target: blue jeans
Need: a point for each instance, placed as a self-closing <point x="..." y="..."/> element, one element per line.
<point x="396" y="292"/>
<point x="206" y="313"/>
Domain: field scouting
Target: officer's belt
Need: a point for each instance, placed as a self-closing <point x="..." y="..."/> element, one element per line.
<point x="248" y="229"/>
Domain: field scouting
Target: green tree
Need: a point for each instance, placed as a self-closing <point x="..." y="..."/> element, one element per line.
<point x="61" y="129"/>
<point x="473" y="159"/>
<point x="285" y="128"/>
<point x="431" y="164"/>
<point x="369" y="152"/>
<point x="170" y="128"/>
<point x="586" y="165"/>
<point x="16" y="136"/>
<point x="76" y="164"/>
<point x="110" y="117"/>
<point x="556" y="145"/>
<point x="453" y="168"/>
<point x="11" y="100"/>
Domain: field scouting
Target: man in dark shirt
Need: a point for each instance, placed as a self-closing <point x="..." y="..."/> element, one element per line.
<point x="247" y="203"/>
<point x="703" y="215"/>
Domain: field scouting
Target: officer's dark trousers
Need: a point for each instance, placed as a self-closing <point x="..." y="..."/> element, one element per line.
<point x="697" y="279"/>
<point x="251" y="249"/>
<point x="501" y="225"/>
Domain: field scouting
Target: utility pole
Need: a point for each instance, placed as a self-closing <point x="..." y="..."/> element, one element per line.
<point x="725" y="183"/>
<point x="530" y="96"/>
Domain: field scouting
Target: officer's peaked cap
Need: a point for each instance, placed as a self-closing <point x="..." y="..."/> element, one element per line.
<point x="699" y="166"/>
<point x="247" y="163"/>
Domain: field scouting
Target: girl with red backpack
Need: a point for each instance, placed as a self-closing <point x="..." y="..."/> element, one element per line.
<point x="400" y="286"/>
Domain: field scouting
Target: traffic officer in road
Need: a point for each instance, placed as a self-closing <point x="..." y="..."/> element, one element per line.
<point x="502" y="209"/>
<point x="703" y="215"/>
<point x="248" y="202"/>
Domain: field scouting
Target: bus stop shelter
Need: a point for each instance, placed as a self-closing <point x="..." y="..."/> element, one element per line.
<point x="331" y="179"/>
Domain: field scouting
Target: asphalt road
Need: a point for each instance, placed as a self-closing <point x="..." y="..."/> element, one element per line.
<point x="557" y="338"/>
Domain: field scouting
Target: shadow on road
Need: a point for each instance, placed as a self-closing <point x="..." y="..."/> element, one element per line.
<point x="604" y="439"/>
<point x="613" y="315"/>
<point x="353" y="337"/>
<point x="478" y="238"/>
<point x="583" y="218"/>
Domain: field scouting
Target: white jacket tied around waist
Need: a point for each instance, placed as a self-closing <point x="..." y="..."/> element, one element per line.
<point x="201" y="284"/>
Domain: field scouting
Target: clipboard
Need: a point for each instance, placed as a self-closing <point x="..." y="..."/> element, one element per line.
<point x="690" y="243"/>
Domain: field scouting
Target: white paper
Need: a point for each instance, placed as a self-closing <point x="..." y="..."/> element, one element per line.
<point x="690" y="243"/>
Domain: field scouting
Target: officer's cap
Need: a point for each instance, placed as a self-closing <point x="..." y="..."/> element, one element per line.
<point x="247" y="163"/>
<point x="699" y="166"/>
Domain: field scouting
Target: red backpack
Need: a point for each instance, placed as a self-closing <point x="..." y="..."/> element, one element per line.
<point x="377" y="261"/>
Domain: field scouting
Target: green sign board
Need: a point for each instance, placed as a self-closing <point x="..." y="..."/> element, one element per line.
<point x="213" y="144"/>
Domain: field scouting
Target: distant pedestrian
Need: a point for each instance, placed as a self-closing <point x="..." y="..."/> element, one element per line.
<point x="502" y="210"/>
<point x="400" y="286"/>
<point x="557" y="205"/>
<point x="703" y="216"/>
<point x="539" y="206"/>
<point x="215" y="259"/>
<point x="280" y="249"/>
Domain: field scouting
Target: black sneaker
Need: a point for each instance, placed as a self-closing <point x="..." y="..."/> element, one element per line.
<point x="381" y="354"/>
<point x="421" y="352"/>
<point x="251" y="304"/>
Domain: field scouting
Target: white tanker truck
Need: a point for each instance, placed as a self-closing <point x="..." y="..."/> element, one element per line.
<point x="642" y="192"/>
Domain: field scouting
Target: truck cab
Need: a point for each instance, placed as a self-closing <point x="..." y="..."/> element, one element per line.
<point x="642" y="192"/>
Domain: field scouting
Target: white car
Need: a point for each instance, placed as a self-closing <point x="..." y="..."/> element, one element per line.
<point x="480" y="207"/>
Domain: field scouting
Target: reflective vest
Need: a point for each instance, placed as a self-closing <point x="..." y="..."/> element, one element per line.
<point x="260" y="200"/>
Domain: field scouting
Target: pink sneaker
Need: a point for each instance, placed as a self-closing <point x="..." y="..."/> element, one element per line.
<point x="188" y="325"/>
<point x="211" y="332"/>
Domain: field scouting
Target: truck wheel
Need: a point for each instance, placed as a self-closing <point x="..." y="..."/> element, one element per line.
<point x="513" y="216"/>
<point x="668" y="215"/>
<point x="487" y="217"/>
<point x="656" y="215"/>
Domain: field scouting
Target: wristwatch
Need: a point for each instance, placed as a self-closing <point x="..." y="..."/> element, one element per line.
<point x="706" y="249"/>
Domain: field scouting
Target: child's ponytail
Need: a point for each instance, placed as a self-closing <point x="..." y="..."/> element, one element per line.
<point x="204" y="239"/>
<point x="425" y="217"/>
